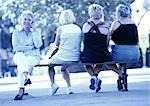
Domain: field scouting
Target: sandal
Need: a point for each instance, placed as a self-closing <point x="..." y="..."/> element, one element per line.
<point x="27" y="81"/>
<point x="20" y="94"/>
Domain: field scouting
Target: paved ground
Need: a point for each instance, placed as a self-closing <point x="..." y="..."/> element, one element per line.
<point x="39" y="91"/>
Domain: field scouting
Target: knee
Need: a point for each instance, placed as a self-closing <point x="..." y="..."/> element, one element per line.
<point x="98" y="67"/>
<point x="88" y="67"/>
<point x="50" y="68"/>
<point x="19" y="57"/>
<point x="63" y="69"/>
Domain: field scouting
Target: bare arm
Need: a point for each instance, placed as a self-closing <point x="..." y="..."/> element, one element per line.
<point x="55" y="47"/>
<point x="86" y="27"/>
<point x="114" y="26"/>
<point x="57" y="38"/>
<point x="104" y="29"/>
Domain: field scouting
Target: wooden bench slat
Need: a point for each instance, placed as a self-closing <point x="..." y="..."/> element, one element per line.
<point x="73" y="64"/>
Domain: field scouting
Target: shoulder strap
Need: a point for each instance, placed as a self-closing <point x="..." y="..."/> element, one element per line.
<point x="99" y="24"/>
<point x="91" y="23"/>
<point x="93" y="27"/>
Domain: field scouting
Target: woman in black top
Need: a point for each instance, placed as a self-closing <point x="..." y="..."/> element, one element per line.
<point x="124" y="34"/>
<point x="96" y="34"/>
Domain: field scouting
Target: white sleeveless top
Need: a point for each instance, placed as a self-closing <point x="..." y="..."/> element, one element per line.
<point x="70" y="42"/>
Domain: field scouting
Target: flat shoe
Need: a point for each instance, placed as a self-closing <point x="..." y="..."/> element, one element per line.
<point x="27" y="81"/>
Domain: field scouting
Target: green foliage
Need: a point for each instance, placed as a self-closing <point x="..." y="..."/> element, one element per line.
<point x="47" y="11"/>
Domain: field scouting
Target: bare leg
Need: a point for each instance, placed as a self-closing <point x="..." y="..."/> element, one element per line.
<point x="97" y="69"/>
<point x="124" y="77"/>
<point x="121" y="68"/>
<point x="51" y="73"/>
<point x="93" y="74"/>
<point x="98" y="82"/>
<point x="90" y="70"/>
<point x="66" y="75"/>
<point x="116" y="69"/>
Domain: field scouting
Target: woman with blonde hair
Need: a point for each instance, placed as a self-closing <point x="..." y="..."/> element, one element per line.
<point x="96" y="38"/>
<point x="26" y="41"/>
<point x="124" y="34"/>
<point x="67" y="43"/>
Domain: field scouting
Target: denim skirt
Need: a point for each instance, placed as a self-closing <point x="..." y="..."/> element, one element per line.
<point x="125" y="53"/>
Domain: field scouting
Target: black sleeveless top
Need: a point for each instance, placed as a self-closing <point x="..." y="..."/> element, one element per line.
<point x="125" y="34"/>
<point x="95" y="45"/>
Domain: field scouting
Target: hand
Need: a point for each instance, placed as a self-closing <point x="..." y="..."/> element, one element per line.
<point x="33" y="28"/>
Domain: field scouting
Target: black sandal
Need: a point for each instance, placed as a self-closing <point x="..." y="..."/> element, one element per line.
<point x="19" y="97"/>
<point x="26" y="93"/>
<point x="119" y="84"/>
<point x="27" y="81"/>
<point x="125" y="83"/>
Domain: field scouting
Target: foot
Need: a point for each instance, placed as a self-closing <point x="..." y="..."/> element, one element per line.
<point x="69" y="90"/>
<point x="119" y="84"/>
<point x="20" y="94"/>
<point x="98" y="85"/>
<point x="26" y="93"/>
<point x="92" y="85"/>
<point x="27" y="81"/>
<point x="125" y="83"/>
<point x="54" y="88"/>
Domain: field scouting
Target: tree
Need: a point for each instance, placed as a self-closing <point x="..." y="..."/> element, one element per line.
<point x="47" y="11"/>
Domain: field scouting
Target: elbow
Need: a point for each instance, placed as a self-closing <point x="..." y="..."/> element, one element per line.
<point x="38" y="45"/>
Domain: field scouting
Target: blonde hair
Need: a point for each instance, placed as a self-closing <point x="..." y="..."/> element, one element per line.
<point x="124" y="10"/>
<point x="95" y="11"/>
<point x="66" y="17"/>
<point x="27" y="12"/>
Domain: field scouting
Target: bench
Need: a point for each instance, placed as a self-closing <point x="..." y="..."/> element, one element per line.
<point x="124" y="84"/>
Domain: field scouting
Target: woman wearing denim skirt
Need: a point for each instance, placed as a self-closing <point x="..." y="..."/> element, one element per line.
<point x="124" y="34"/>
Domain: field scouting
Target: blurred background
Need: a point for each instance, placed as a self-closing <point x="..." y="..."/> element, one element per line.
<point x="46" y="15"/>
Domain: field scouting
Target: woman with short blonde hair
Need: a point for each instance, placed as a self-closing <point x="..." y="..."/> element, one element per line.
<point x="67" y="17"/>
<point x="123" y="11"/>
<point x="96" y="37"/>
<point x="124" y="34"/>
<point x="26" y="42"/>
<point x="67" y="43"/>
<point x="24" y="13"/>
<point x="96" y="11"/>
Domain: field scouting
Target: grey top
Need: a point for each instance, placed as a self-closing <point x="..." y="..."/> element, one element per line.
<point x="29" y="44"/>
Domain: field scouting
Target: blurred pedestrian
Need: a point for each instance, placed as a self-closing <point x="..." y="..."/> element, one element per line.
<point x="5" y="47"/>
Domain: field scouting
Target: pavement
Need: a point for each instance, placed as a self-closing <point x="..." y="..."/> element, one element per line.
<point x="39" y="91"/>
